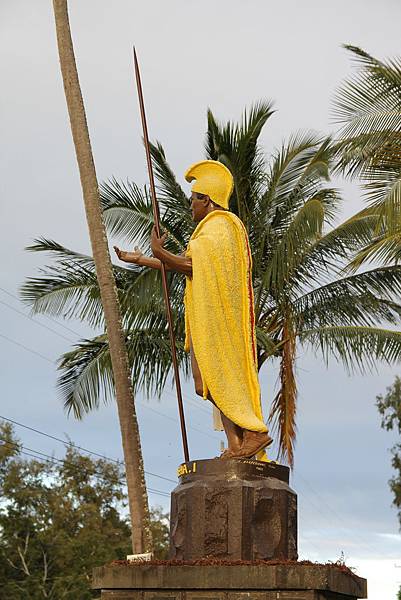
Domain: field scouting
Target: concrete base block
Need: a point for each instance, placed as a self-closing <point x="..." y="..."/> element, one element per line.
<point x="228" y="582"/>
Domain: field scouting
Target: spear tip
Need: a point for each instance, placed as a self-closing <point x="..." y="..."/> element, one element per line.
<point x="136" y="61"/>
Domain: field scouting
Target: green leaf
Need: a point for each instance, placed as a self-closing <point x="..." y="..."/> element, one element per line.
<point x="358" y="348"/>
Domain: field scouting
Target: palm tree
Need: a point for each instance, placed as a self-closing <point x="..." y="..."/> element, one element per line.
<point x="302" y="296"/>
<point x="119" y="371"/>
<point x="368" y="108"/>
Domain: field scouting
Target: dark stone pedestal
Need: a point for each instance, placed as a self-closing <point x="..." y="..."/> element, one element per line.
<point x="234" y="510"/>
<point x="230" y="511"/>
<point x="228" y="582"/>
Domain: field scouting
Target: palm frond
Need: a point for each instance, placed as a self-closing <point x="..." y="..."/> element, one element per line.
<point x="370" y="99"/>
<point x="235" y="145"/>
<point x="56" y="250"/>
<point x="363" y="299"/>
<point x="250" y="177"/>
<point x="296" y="168"/>
<point x="220" y="140"/>
<point x="283" y="409"/>
<point x="127" y="211"/>
<point x="169" y="188"/>
<point x="368" y="106"/>
<point x="362" y="153"/>
<point x="86" y="375"/>
<point x="358" y="348"/>
<point x="384" y="249"/>
<point x="268" y="347"/>
<point x="331" y="253"/>
<point x="175" y="205"/>
<point x="69" y="288"/>
<point x="305" y="228"/>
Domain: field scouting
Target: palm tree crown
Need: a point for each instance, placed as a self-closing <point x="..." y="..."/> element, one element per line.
<point x="303" y="297"/>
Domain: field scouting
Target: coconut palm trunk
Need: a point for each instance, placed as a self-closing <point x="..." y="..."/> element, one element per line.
<point x="138" y="502"/>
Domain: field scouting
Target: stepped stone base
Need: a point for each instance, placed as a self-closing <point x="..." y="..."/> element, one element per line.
<point x="291" y="581"/>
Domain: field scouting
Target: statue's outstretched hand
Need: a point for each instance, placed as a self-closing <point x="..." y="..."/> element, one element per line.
<point x="129" y="257"/>
<point x="157" y="243"/>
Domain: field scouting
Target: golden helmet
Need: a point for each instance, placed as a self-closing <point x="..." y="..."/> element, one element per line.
<point x="213" y="179"/>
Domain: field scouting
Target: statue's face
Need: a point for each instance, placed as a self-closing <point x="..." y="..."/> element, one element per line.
<point x="199" y="206"/>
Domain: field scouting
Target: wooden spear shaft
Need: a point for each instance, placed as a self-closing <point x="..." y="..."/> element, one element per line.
<point x="156" y="216"/>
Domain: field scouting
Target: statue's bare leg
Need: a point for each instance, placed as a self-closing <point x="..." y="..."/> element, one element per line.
<point x="233" y="432"/>
<point x="234" y="435"/>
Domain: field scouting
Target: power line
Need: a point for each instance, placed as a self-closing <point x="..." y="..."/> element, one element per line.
<point x="19" y="312"/>
<point x="195" y="405"/>
<point x="39" y="455"/>
<point x="158" y="492"/>
<point x="26" y="348"/>
<point x="142" y="404"/>
<point x="340" y="521"/>
<point x="47" y="316"/>
<point x="118" y="462"/>
<point x="65" y="338"/>
<point x="53" y="459"/>
<point x="176" y="421"/>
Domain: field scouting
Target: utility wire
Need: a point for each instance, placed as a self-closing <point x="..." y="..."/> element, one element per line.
<point x="141" y="403"/>
<point x="46" y="316"/>
<point x="196" y="405"/>
<point x="340" y="521"/>
<point x="19" y="312"/>
<point x="118" y="462"/>
<point x="53" y="459"/>
<point x="176" y="420"/>
<point x="151" y="490"/>
<point x="26" y="348"/>
<point x="40" y="455"/>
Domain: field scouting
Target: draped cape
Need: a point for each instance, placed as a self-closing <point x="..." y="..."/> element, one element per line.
<point x="220" y="320"/>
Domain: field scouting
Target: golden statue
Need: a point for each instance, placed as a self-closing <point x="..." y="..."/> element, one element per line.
<point x="219" y="308"/>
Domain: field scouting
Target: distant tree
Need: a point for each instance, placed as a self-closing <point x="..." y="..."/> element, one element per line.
<point x="389" y="407"/>
<point x="59" y="519"/>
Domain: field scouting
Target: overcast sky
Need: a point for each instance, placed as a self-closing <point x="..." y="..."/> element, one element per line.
<point x="224" y="55"/>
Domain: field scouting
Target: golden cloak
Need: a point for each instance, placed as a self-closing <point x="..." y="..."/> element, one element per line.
<point x="220" y="320"/>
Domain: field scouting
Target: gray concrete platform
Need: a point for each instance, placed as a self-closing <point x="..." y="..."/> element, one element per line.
<point x="228" y="582"/>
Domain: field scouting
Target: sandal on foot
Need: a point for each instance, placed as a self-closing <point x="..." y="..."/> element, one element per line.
<point x="253" y="443"/>
<point x="227" y="454"/>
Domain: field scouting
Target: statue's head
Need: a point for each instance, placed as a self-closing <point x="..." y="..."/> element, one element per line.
<point x="212" y="187"/>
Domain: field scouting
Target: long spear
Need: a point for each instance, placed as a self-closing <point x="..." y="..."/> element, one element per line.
<point x="156" y="216"/>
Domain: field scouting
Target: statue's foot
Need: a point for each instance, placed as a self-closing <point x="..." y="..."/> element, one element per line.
<point x="228" y="453"/>
<point x="253" y="443"/>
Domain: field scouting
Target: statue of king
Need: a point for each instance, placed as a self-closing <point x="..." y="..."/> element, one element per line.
<point x="219" y="308"/>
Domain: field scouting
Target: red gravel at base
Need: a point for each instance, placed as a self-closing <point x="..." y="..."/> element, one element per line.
<point x="216" y="562"/>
